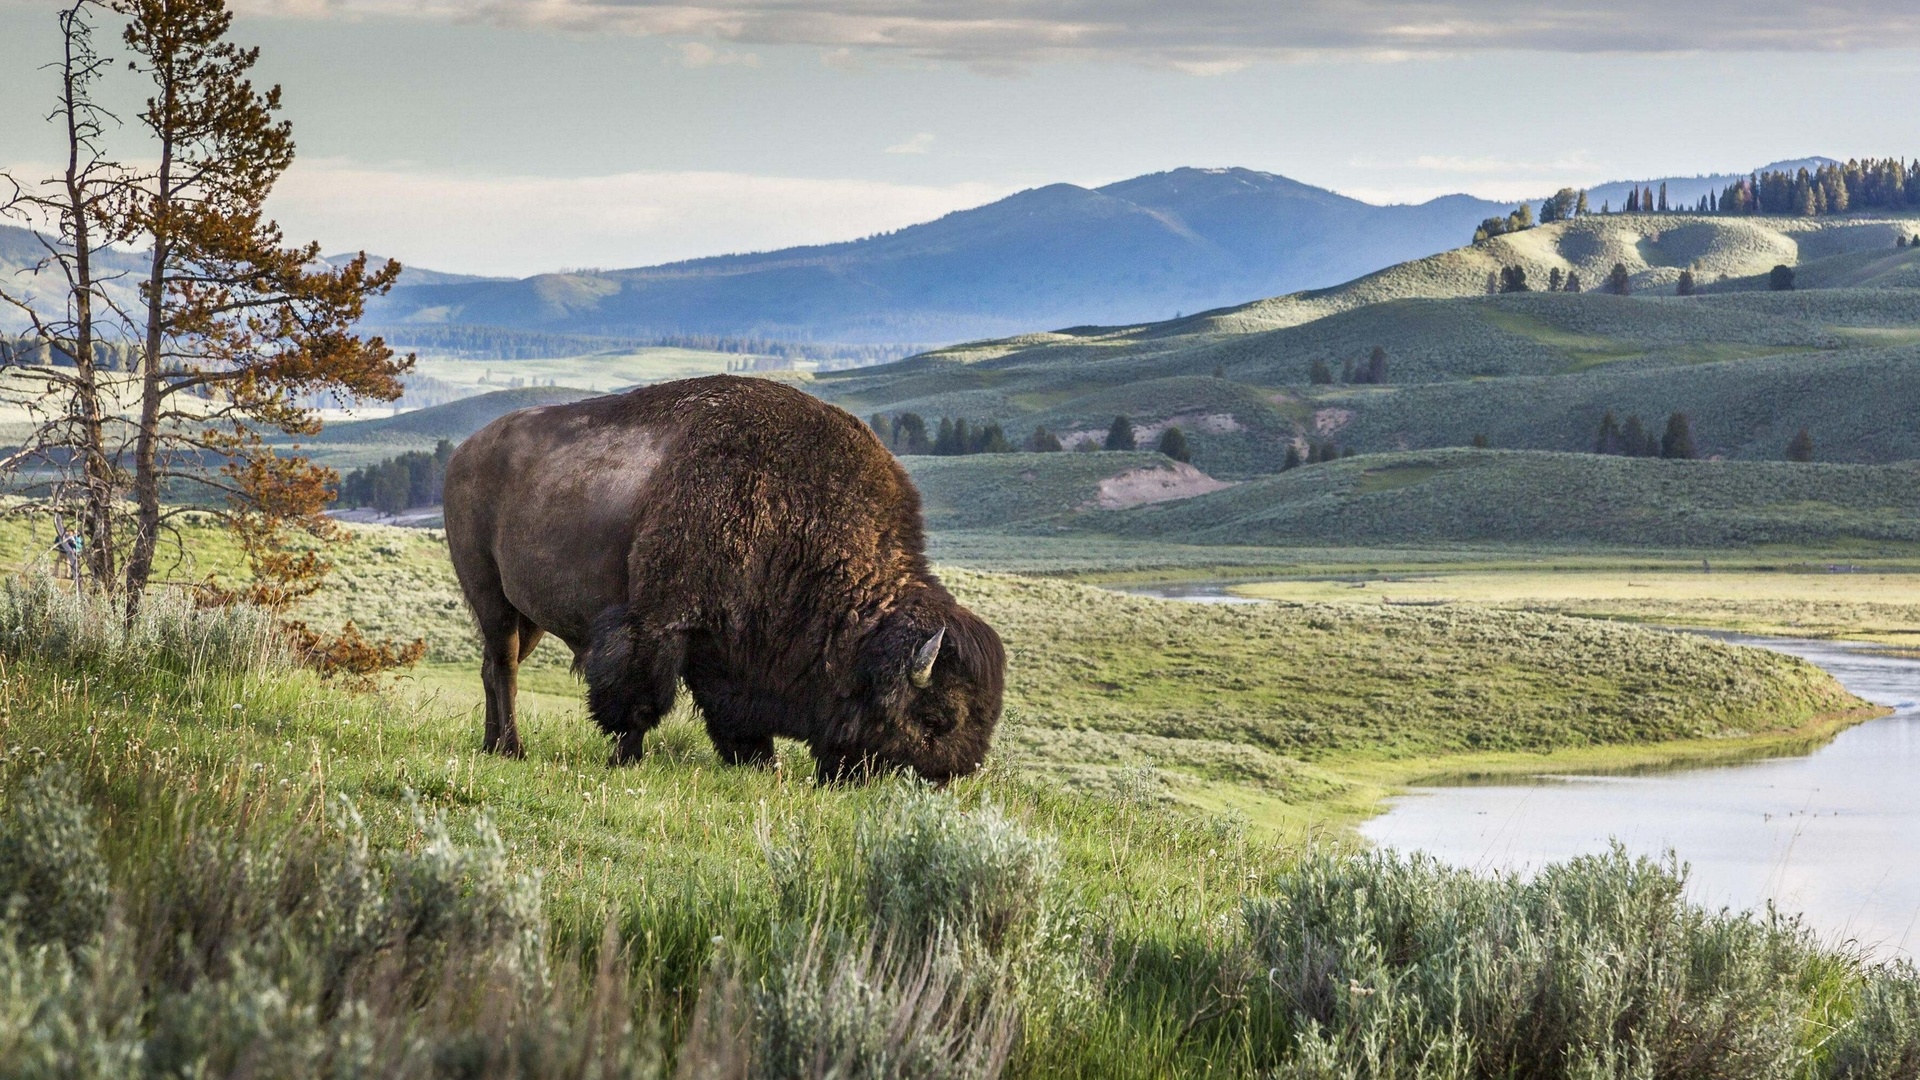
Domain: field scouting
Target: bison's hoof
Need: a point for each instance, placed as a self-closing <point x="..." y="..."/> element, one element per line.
<point x="626" y="747"/>
<point x="507" y="747"/>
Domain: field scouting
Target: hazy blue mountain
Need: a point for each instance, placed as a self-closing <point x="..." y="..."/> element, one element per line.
<point x="1133" y="251"/>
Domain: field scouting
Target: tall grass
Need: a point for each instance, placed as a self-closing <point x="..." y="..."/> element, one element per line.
<point x="39" y="618"/>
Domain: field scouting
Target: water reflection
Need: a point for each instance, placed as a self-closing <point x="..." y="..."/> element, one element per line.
<point x="1834" y="834"/>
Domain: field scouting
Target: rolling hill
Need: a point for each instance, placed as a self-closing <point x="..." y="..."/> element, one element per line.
<point x="1455" y="496"/>
<point x="1530" y="370"/>
<point x="1052" y="256"/>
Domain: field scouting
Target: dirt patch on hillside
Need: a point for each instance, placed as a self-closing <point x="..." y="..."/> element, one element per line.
<point x="1328" y="421"/>
<point x="1140" y="487"/>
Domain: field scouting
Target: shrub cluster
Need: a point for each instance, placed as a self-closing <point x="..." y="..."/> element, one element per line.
<point x="1382" y="965"/>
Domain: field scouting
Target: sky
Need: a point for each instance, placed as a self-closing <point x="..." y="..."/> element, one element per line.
<point x="524" y="136"/>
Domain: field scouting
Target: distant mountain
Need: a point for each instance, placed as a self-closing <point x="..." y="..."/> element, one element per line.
<point x="1129" y="252"/>
<point x="412" y="275"/>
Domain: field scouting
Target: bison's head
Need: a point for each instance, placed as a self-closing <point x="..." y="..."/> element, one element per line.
<point x="931" y="677"/>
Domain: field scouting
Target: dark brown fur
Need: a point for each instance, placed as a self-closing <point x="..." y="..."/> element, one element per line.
<point x="736" y="534"/>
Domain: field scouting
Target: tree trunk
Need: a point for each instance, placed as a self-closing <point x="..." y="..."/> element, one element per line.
<point x="146" y="446"/>
<point x="96" y="518"/>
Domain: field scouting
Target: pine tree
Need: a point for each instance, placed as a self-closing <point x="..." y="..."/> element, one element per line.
<point x="237" y="327"/>
<point x="1573" y="282"/>
<point x="1377" y="366"/>
<point x="1493" y="283"/>
<point x="910" y="434"/>
<point x="1346" y="371"/>
<point x="943" y="443"/>
<point x="1580" y="205"/>
<point x="1800" y="447"/>
<point x="1480" y="441"/>
<point x="1513" y="279"/>
<point x="1174" y="445"/>
<point x="1663" y="196"/>
<point x="1608" y="440"/>
<point x="1043" y="441"/>
<point x="1780" y="278"/>
<point x="1293" y="458"/>
<point x="1633" y="201"/>
<point x="962" y="438"/>
<point x="1678" y="440"/>
<point x="1554" y="278"/>
<point x="882" y="427"/>
<point x="992" y="440"/>
<point x="1636" y="440"/>
<point x="1120" y="434"/>
<point x="1319" y="374"/>
<point x="1685" y="285"/>
<point x="1618" y="282"/>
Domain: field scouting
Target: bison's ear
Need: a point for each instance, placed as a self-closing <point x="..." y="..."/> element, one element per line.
<point x="921" y="674"/>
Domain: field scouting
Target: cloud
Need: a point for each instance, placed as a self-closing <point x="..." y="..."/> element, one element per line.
<point x="1201" y="36"/>
<point x="528" y="224"/>
<point x="698" y="54"/>
<point x="918" y="144"/>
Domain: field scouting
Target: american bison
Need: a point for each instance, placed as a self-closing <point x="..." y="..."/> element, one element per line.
<point x="740" y="536"/>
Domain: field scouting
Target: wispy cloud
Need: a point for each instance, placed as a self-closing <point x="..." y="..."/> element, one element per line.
<point x="699" y="54"/>
<point x="1200" y="36"/>
<point x="918" y="144"/>
<point x="528" y="224"/>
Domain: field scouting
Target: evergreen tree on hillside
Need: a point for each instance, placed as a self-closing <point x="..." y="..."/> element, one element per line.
<point x="1573" y="282"/>
<point x="962" y="438"/>
<point x="1043" y="441"/>
<point x="943" y="443"/>
<point x="1120" y="434"/>
<point x="1618" y="281"/>
<point x="1377" y="366"/>
<point x="1346" y="371"/>
<point x="1633" y="201"/>
<point x="1293" y="458"/>
<point x="1636" y="440"/>
<point x="1607" y="441"/>
<point x="1800" y="447"/>
<point x="1513" y="279"/>
<point x="1480" y="441"/>
<point x="882" y="427"/>
<point x="1663" y="196"/>
<point x="1678" y="440"/>
<point x="910" y="434"/>
<point x="990" y="439"/>
<point x="1493" y="283"/>
<point x="1174" y="445"/>
<point x="1685" y="285"/>
<point x="1554" y="278"/>
<point x="1780" y="278"/>
<point x="1319" y="374"/>
<point x="1900" y="241"/>
<point x="1580" y="208"/>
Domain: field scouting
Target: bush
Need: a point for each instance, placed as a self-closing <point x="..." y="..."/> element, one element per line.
<point x="1388" y="965"/>
<point x="53" y="882"/>
<point x="934" y="870"/>
<point x="1174" y="445"/>
<point x="855" y="1013"/>
<point x="1120" y="434"/>
<point x="1780" y="278"/>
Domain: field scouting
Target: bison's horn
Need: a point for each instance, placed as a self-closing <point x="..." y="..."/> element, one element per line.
<point x="922" y="674"/>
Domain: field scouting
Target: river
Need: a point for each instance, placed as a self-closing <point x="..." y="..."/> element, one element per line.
<point x="1833" y="835"/>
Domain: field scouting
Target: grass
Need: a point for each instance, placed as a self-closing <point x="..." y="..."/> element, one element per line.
<point x="1806" y="601"/>
<point x="334" y="883"/>
<point x="1533" y="498"/>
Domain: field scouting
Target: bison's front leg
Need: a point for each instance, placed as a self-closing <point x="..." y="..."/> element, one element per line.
<point x="632" y="677"/>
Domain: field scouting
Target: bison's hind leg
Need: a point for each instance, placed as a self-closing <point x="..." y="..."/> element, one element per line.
<point x="631" y="679"/>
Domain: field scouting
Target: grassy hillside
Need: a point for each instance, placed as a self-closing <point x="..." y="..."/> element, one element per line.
<point x="1245" y="371"/>
<point x="239" y="870"/>
<point x="1531" y="497"/>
